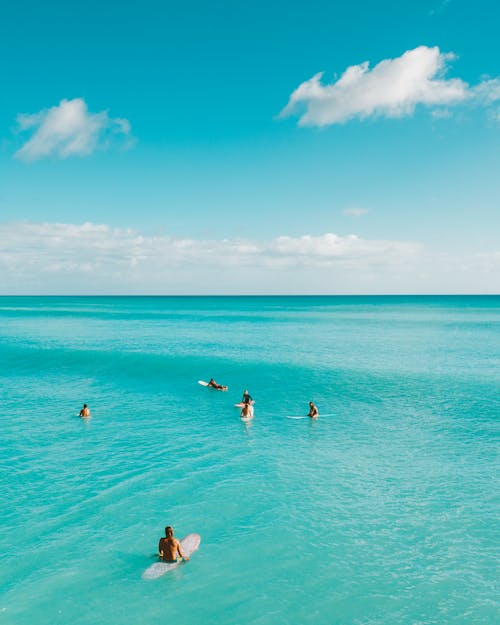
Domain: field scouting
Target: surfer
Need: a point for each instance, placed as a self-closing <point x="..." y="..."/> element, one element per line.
<point x="214" y="384"/>
<point x="169" y="548"/>
<point x="313" y="411"/>
<point x="84" y="412"/>
<point x="246" y="399"/>
<point x="247" y="411"/>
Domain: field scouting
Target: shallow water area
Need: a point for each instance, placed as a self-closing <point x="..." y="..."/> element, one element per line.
<point x="385" y="513"/>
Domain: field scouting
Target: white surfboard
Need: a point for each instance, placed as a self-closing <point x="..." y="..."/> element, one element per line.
<point x="202" y="383"/>
<point x="331" y="414"/>
<point x="189" y="544"/>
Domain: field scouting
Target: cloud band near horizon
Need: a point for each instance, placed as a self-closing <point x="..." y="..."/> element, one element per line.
<point x="96" y="258"/>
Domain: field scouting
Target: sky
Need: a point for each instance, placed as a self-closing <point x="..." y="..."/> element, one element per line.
<point x="253" y="147"/>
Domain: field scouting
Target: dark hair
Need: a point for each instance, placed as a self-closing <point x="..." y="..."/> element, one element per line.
<point x="84" y="405"/>
<point x="169" y="532"/>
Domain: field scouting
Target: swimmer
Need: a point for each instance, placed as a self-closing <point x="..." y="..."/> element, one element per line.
<point x="84" y="412"/>
<point x="214" y="384"/>
<point x="246" y="399"/>
<point x="169" y="548"/>
<point x="313" y="411"/>
<point x="247" y="411"/>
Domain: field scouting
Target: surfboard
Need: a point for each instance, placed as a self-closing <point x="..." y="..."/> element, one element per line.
<point x="224" y="388"/>
<point x="189" y="544"/>
<point x="331" y="414"/>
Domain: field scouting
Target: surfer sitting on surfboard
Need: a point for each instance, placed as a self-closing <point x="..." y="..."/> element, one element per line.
<point x="246" y="399"/>
<point x="169" y="548"/>
<point x="247" y="411"/>
<point x="214" y="384"/>
<point x="313" y="411"/>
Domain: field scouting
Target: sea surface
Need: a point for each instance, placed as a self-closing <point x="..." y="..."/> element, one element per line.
<point x="384" y="512"/>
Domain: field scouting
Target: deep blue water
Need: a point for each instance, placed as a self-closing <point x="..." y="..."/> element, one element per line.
<point x="386" y="513"/>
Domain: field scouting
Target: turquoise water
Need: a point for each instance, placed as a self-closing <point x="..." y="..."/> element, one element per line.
<point x="385" y="513"/>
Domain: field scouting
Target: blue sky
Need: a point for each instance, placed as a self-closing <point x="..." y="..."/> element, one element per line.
<point x="142" y="149"/>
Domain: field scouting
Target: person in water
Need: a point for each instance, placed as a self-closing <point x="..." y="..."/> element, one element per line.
<point x="169" y="548"/>
<point x="246" y="399"/>
<point x="214" y="384"/>
<point x="84" y="412"/>
<point x="313" y="411"/>
<point x="247" y="411"/>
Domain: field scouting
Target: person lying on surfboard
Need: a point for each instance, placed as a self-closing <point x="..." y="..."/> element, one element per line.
<point x="169" y="548"/>
<point x="214" y="384"/>
<point x="247" y="398"/>
<point x="313" y="411"/>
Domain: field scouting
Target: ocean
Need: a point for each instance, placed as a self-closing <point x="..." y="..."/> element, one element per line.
<point x="384" y="511"/>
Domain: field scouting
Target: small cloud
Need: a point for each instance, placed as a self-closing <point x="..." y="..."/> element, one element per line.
<point x="393" y="88"/>
<point x="440" y="7"/>
<point x="441" y="113"/>
<point x="487" y="92"/>
<point x="355" y="212"/>
<point x="68" y="129"/>
<point x="329" y="249"/>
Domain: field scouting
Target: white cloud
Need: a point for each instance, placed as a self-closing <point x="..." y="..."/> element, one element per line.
<point x="440" y="7"/>
<point x="91" y="258"/>
<point x="443" y="113"/>
<point x="57" y="246"/>
<point x="393" y="88"/>
<point x="329" y="249"/>
<point x="355" y="211"/>
<point x="68" y="129"/>
<point x="487" y="92"/>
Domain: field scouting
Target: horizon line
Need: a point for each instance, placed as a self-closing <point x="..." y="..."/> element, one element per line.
<point x="251" y="295"/>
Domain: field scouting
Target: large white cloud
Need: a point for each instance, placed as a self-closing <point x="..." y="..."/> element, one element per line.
<point x="68" y="129"/>
<point x="393" y="88"/>
<point x="94" y="258"/>
<point x="85" y="257"/>
<point x="63" y="247"/>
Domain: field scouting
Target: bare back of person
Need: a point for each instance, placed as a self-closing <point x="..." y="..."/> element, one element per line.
<point x="169" y="548"/>
<point x="247" y="411"/>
